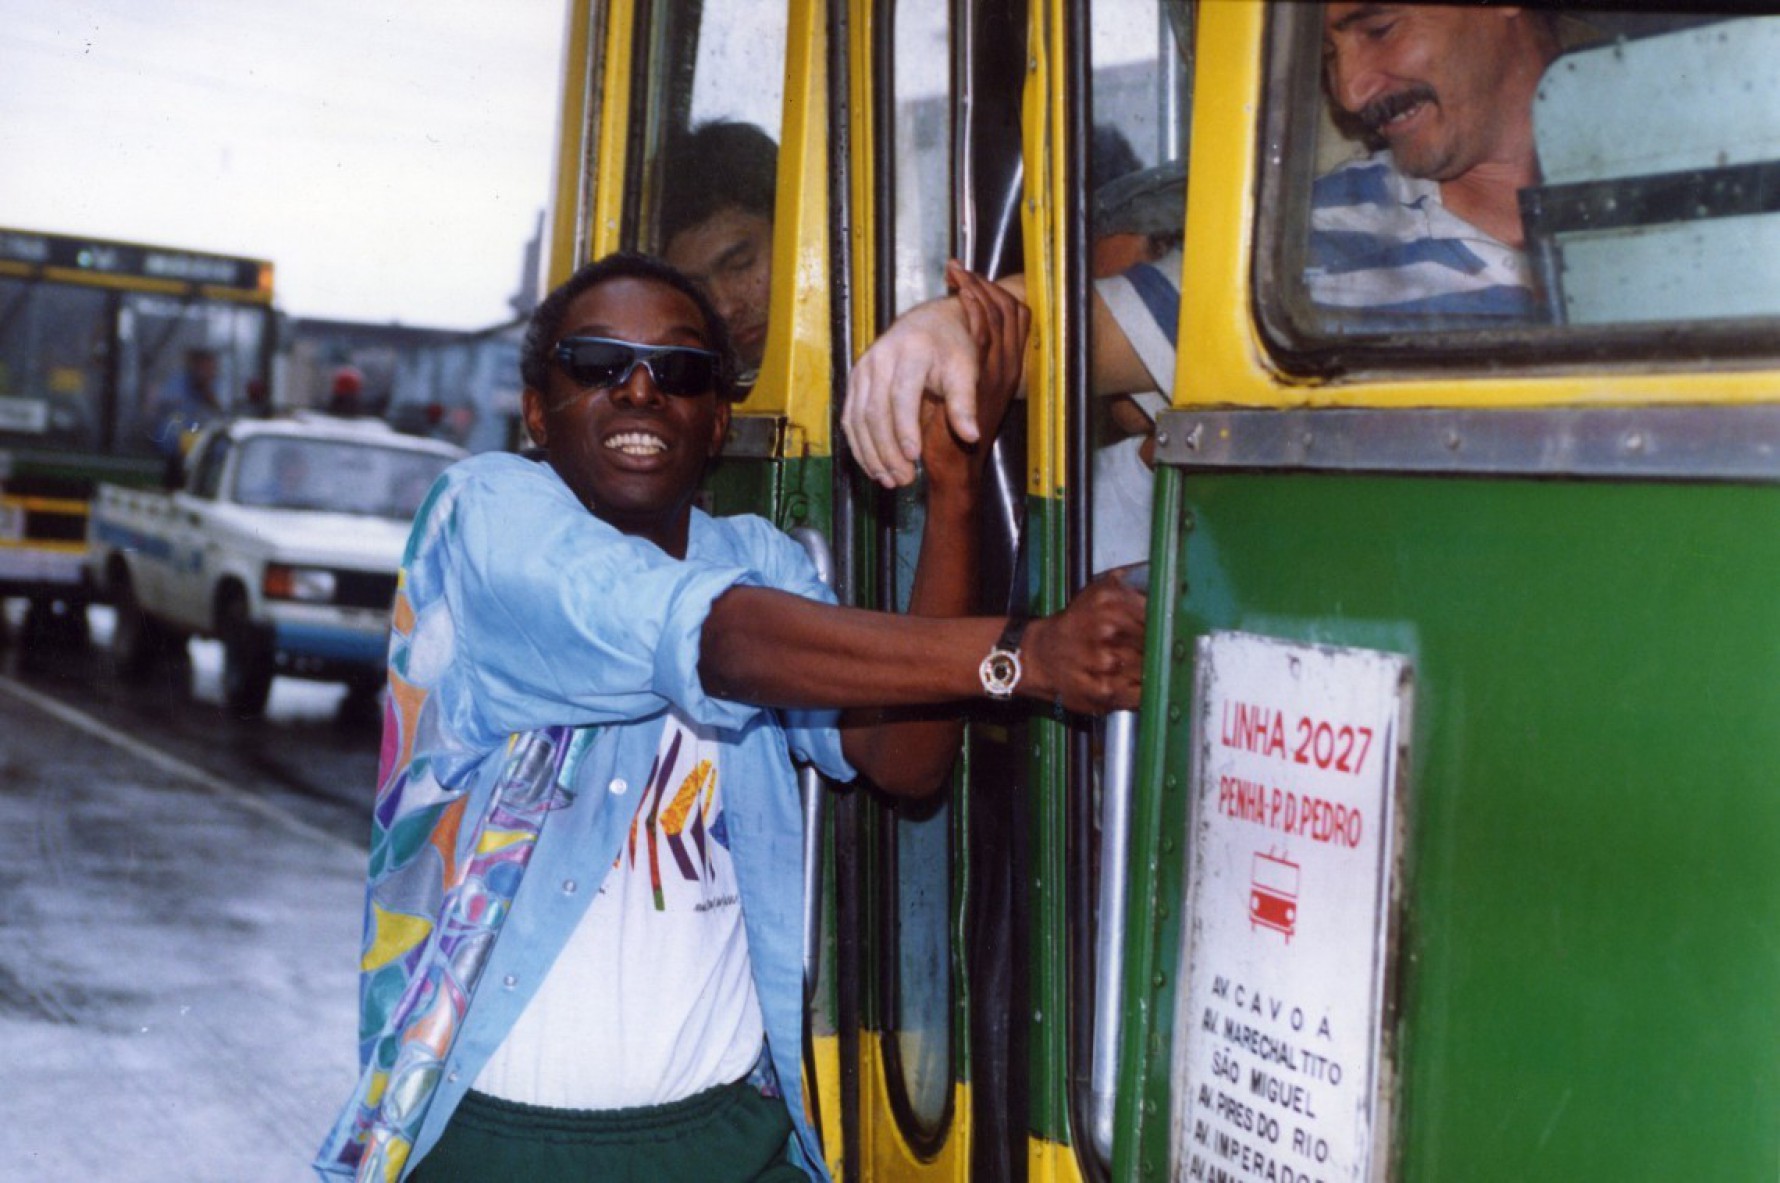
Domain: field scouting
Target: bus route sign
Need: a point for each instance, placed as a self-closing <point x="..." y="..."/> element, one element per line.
<point x="1292" y="868"/>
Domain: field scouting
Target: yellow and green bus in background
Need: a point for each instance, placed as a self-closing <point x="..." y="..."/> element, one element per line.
<point x="1447" y="843"/>
<point x="93" y="334"/>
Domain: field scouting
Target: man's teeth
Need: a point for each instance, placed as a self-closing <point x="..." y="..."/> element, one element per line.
<point x="1405" y="113"/>
<point x="636" y="443"/>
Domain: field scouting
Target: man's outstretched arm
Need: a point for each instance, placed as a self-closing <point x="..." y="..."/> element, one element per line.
<point x="928" y="352"/>
<point x="776" y="649"/>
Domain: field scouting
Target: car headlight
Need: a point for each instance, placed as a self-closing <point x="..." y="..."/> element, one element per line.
<point x="311" y="584"/>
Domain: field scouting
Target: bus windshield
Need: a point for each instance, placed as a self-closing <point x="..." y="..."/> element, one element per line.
<point x="100" y="342"/>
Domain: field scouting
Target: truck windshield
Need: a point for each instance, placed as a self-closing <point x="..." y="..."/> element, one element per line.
<point x="335" y="476"/>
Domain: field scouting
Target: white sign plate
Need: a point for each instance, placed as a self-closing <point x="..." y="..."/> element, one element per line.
<point x="24" y="414"/>
<point x="1288" y="923"/>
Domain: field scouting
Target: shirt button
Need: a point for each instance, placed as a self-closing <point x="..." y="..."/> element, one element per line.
<point x="568" y="886"/>
<point x="452" y="1079"/>
<point x="510" y="981"/>
<point x="617" y="787"/>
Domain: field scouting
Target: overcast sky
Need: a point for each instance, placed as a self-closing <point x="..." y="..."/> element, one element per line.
<point x="389" y="156"/>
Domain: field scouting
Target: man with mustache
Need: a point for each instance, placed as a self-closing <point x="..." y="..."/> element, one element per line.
<point x="1428" y="225"/>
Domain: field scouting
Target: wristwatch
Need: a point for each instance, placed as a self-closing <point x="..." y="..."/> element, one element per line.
<point x="1001" y="670"/>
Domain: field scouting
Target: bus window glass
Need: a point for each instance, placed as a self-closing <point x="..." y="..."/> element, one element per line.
<point x="918" y="158"/>
<point x="1137" y="176"/>
<point x="1457" y="169"/>
<point x="159" y="353"/>
<point x="52" y="359"/>
<point x="920" y="153"/>
<point x="718" y="94"/>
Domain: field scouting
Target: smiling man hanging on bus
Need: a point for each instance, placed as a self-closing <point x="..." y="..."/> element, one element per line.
<point x="582" y="955"/>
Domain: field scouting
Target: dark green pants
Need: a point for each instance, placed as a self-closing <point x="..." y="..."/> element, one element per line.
<point x="726" y="1134"/>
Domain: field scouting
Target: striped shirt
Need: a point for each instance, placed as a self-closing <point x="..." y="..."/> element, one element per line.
<point x="1145" y="304"/>
<point x="1382" y="244"/>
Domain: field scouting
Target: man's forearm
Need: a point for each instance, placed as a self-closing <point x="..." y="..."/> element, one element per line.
<point x="779" y="650"/>
<point x="901" y="752"/>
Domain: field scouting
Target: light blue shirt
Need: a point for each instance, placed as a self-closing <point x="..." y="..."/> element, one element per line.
<point x="520" y="614"/>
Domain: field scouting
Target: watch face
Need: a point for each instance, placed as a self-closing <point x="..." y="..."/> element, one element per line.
<point x="1000" y="672"/>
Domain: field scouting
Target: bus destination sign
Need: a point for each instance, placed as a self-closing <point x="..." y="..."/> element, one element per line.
<point x="1289" y="903"/>
<point x="105" y="257"/>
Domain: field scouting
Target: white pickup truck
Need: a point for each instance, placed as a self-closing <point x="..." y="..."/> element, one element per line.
<point x="282" y="542"/>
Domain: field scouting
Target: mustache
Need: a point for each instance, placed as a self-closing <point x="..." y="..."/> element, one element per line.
<point x="1382" y="110"/>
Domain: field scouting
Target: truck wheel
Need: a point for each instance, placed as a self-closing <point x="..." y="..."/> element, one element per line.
<point x="361" y="706"/>
<point x="137" y="641"/>
<point x="247" y="660"/>
<point x="56" y="624"/>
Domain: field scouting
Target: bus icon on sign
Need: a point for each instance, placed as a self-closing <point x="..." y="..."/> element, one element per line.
<point x="1273" y="895"/>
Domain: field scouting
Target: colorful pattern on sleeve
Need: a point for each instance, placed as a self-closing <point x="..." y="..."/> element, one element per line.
<point x="446" y="862"/>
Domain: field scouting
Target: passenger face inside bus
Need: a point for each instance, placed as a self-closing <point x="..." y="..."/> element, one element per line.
<point x="730" y="256"/>
<point x="717" y="225"/>
<point x="630" y="450"/>
<point x="1449" y="90"/>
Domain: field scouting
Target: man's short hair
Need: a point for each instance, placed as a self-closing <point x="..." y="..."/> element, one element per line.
<point x="718" y="165"/>
<point x="544" y="328"/>
<point x="1111" y="156"/>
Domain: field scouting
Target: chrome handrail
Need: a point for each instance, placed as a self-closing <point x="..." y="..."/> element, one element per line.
<point x="810" y="786"/>
<point x="1117" y="783"/>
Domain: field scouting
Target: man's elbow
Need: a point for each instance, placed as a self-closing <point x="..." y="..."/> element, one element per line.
<point x="897" y="771"/>
<point x="910" y="785"/>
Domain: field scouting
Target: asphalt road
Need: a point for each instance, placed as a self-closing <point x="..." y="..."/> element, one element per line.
<point x="180" y="896"/>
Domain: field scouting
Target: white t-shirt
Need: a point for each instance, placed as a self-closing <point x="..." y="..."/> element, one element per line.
<point x="653" y="998"/>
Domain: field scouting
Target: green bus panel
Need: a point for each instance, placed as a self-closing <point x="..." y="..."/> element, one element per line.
<point x="790" y="493"/>
<point x="1589" y="979"/>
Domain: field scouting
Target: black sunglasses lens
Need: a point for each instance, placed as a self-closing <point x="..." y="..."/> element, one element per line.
<point x="595" y="363"/>
<point x="683" y="371"/>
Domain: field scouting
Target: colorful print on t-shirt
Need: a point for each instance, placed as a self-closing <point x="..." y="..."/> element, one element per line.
<point x="679" y="811"/>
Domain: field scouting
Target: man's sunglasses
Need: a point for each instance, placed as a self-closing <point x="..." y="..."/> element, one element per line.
<point x="595" y="363"/>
